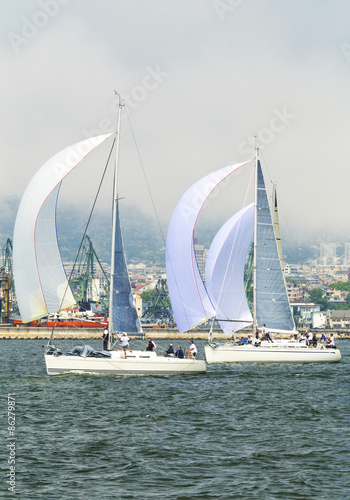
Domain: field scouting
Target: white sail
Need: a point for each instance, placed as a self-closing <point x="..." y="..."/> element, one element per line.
<point x="224" y="271"/>
<point x="189" y="299"/>
<point x="40" y="280"/>
<point x="276" y="225"/>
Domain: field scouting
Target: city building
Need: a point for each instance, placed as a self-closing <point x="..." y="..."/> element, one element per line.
<point x="328" y="253"/>
<point x="338" y="319"/>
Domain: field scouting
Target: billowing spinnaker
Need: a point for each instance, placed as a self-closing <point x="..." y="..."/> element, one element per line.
<point x="189" y="299"/>
<point x="224" y="270"/>
<point x="41" y="282"/>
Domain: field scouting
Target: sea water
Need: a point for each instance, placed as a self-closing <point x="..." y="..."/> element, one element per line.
<point x="268" y="431"/>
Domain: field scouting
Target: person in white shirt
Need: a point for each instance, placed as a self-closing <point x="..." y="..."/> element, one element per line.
<point x="331" y="340"/>
<point x="256" y="340"/>
<point x="124" y="343"/>
<point x="192" y="351"/>
<point x="265" y="334"/>
<point x="302" y="339"/>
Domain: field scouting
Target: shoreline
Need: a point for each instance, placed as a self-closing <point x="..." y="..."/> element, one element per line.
<point x="10" y="332"/>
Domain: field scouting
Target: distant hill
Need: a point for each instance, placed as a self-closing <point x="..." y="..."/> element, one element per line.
<point x="142" y="237"/>
<point x="143" y="240"/>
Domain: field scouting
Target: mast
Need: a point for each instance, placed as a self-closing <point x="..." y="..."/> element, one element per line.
<point x="255" y="236"/>
<point x="276" y="226"/>
<point x="114" y="218"/>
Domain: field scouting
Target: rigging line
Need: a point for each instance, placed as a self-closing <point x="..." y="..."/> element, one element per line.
<point x="144" y="174"/>
<point x="147" y="184"/>
<point x="280" y="206"/>
<point x="85" y="231"/>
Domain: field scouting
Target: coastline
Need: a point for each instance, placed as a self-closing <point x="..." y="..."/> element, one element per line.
<point x="22" y="332"/>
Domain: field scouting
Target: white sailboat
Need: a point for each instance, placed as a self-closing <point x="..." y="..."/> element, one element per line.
<point x="222" y="296"/>
<point x="41" y="283"/>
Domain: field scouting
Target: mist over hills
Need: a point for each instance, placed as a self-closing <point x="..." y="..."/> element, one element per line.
<point x="144" y="238"/>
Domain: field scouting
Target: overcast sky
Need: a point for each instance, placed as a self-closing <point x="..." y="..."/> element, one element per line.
<point x="200" y="79"/>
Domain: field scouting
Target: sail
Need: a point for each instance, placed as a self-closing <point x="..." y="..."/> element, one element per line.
<point x="40" y="279"/>
<point x="123" y="314"/>
<point x="276" y="225"/>
<point x="189" y="299"/>
<point x="272" y="305"/>
<point x="224" y="271"/>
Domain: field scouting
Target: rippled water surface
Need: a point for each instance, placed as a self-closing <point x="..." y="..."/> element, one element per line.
<point x="236" y="432"/>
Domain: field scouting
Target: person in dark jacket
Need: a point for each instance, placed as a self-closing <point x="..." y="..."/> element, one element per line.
<point x="169" y="351"/>
<point x="151" y="345"/>
<point x="179" y="353"/>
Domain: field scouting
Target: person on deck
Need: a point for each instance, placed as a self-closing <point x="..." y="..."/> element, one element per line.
<point x="331" y="341"/>
<point x="257" y="340"/>
<point x="179" y="353"/>
<point x="169" y="351"/>
<point x="242" y="341"/>
<point x="105" y="339"/>
<point x="265" y="334"/>
<point x="309" y="336"/>
<point x="151" y="345"/>
<point x="124" y="343"/>
<point x="192" y="351"/>
<point x="303" y="339"/>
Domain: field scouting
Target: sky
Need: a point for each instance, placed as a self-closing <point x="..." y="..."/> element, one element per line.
<point x="199" y="79"/>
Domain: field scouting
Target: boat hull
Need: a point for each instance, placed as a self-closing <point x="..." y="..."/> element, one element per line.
<point x="136" y="363"/>
<point x="230" y="353"/>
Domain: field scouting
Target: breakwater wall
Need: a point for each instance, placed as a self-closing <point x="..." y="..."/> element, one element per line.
<point x="22" y="332"/>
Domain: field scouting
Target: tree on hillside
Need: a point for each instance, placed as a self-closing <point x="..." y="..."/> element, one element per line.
<point x="341" y="285"/>
<point x="317" y="296"/>
<point x="347" y="301"/>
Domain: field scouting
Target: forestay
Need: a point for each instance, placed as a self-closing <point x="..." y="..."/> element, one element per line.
<point x="41" y="282"/>
<point x="224" y="270"/>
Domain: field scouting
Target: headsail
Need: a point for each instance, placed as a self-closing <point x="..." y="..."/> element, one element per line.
<point x="189" y="299"/>
<point x="41" y="282"/>
<point x="224" y="271"/>
<point x="271" y="298"/>
<point x="276" y="225"/>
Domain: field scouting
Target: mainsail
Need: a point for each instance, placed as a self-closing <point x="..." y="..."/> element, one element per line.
<point x="123" y="314"/>
<point x="224" y="271"/>
<point x="189" y="298"/>
<point x="41" y="282"/>
<point x="271" y="298"/>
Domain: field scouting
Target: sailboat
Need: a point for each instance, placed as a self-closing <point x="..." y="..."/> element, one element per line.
<point x="42" y="286"/>
<point x="221" y="294"/>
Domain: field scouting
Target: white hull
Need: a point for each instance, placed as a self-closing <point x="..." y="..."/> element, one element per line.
<point x="270" y="353"/>
<point x="136" y="363"/>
